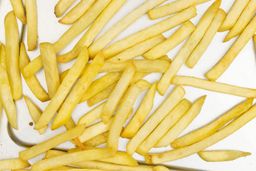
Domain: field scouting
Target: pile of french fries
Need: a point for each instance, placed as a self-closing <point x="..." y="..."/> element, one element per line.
<point x="113" y="116"/>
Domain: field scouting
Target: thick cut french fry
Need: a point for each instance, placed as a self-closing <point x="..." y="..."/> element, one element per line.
<point x="182" y="124"/>
<point x="122" y="112"/>
<point x="161" y="112"/>
<point x="78" y="91"/>
<point x="18" y="9"/>
<point x="231" y="54"/>
<point x="206" y="40"/>
<point x="97" y="140"/>
<point x="11" y="164"/>
<point x="233" y="14"/>
<point x="168" y="123"/>
<point x="189" y="46"/>
<point x="51" y="143"/>
<point x="12" y="54"/>
<point x="149" y="32"/>
<point x="211" y="128"/>
<point x="242" y="21"/>
<point x="137" y="50"/>
<point x="62" y="6"/>
<point x="207" y="142"/>
<point x="32" y="33"/>
<point x="120" y="26"/>
<point x="175" y="39"/>
<point x="222" y="155"/>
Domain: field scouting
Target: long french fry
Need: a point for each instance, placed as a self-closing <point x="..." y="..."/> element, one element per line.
<point x="11" y="164"/>
<point x="62" y="6"/>
<point x="231" y="54"/>
<point x="64" y="88"/>
<point x="212" y="127"/>
<point x="161" y="112"/>
<point x="189" y="46"/>
<point x="18" y="9"/>
<point x="176" y="38"/>
<point x="149" y="32"/>
<point x="32" y="33"/>
<point x="12" y="54"/>
<point x="97" y="140"/>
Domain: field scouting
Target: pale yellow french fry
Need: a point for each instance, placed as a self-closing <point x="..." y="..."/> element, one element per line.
<point x="222" y="155"/>
<point x="62" y="6"/>
<point x="34" y="111"/>
<point x="33" y="67"/>
<point x="70" y="158"/>
<point x="32" y="33"/>
<point x="189" y="46"/>
<point x="182" y="124"/>
<point x="2" y="55"/>
<point x="76" y="94"/>
<point x="137" y="50"/>
<point x="223" y="64"/>
<point x="149" y="32"/>
<point x="243" y="20"/>
<point x="64" y="88"/>
<point x="212" y="127"/>
<point x="76" y="12"/>
<point x="97" y="140"/>
<point x="233" y="14"/>
<point x="142" y="112"/>
<point x="205" y="143"/>
<point x="206" y="40"/>
<point x="122" y="112"/>
<point x="168" y="123"/>
<point x="18" y="9"/>
<point x="174" y="40"/>
<point x="12" y="54"/>
<point x="11" y="164"/>
<point x="138" y="76"/>
<point x="117" y="93"/>
<point x="161" y="112"/>
<point x="172" y="8"/>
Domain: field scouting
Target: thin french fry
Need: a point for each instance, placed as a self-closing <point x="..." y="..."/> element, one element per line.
<point x="212" y="127"/>
<point x="97" y="140"/>
<point x="18" y="9"/>
<point x="215" y="72"/>
<point x="175" y="39"/>
<point x="161" y="112"/>
<point x="11" y="164"/>
<point x="189" y="46"/>
<point x="62" y="6"/>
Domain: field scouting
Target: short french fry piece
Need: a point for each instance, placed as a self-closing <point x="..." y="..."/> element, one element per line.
<point x="19" y="11"/>
<point x="62" y="6"/>
<point x="32" y="33"/>
<point x="11" y="164"/>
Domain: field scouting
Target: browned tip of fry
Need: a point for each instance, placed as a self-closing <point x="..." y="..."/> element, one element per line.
<point x="148" y="159"/>
<point x="78" y="143"/>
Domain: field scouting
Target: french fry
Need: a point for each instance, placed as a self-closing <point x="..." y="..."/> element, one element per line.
<point x="222" y="155"/>
<point x="138" y="76"/>
<point x="53" y="153"/>
<point x="32" y="33"/>
<point x="76" y="12"/>
<point x="11" y="164"/>
<point x="243" y="20"/>
<point x="97" y="140"/>
<point x="62" y="6"/>
<point x="167" y="124"/>
<point x="121" y="158"/>
<point x="182" y="124"/>
<point x="64" y="88"/>
<point x="122" y="112"/>
<point x="148" y="32"/>
<point x="231" y="54"/>
<point x="120" y="26"/>
<point x="172" y="8"/>
<point x="63" y="75"/>
<point x="78" y="91"/>
<point x="161" y="168"/>
<point x="206" y="40"/>
<point x="117" y="93"/>
<point x="233" y="14"/>
<point x="189" y="46"/>
<point x="137" y="50"/>
<point x="161" y="112"/>
<point x="12" y="54"/>
<point x="175" y="39"/>
<point x="18" y="9"/>
<point x="33" y="67"/>
<point x="2" y="55"/>
<point x="207" y="142"/>
<point x="212" y="127"/>
<point x="254" y="41"/>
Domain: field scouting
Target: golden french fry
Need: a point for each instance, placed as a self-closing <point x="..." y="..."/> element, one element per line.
<point x="62" y="6"/>
<point x="149" y="32"/>
<point x="222" y="155"/>
<point x="64" y="88"/>
<point x="11" y="164"/>
<point x="2" y="55"/>
<point x="53" y="153"/>
<point x="12" y="54"/>
<point x="97" y="140"/>
<point x="206" y="40"/>
<point x="161" y="168"/>
<point x="243" y="20"/>
<point x="18" y="9"/>
<point x="32" y="33"/>
<point x="223" y="64"/>
<point x="168" y="123"/>
<point x="137" y="50"/>
<point x="207" y="142"/>
<point x="33" y="67"/>
<point x="212" y="127"/>
<point x="189" y="46"/>
<point x="175" y="39"/>
<point x="161" y="112"/>
<point x="138" y="76"/>
<point x="78" y="91"/>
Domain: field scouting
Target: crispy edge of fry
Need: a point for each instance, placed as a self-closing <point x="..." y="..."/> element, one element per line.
<point x="19" y="10"/>
<point x="13" y="164"/>
<point x="32" y="33"/>
<point x="62" y="6"/>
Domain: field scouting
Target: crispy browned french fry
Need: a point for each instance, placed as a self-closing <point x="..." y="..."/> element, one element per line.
<point x="62" y="6"/>
<point x="18" y="9"/>
<point x="11" y="164"/>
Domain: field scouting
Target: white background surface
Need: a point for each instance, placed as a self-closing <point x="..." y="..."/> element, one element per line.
<point x="242" y="72"/>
